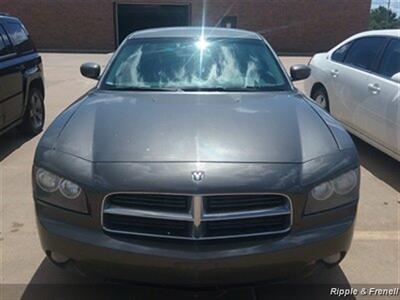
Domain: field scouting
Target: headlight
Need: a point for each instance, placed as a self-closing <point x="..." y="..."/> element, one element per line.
<point x="59" y="191"/>
<point x="69" y="189"/>
<point x="336" y="192"/>
<point x="345" y="183"/>
<point x="322" y="191"/>
<point x="47" y="181"/>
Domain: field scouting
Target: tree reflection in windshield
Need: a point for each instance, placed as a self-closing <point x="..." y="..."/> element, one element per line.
<point x="187" y="64"/>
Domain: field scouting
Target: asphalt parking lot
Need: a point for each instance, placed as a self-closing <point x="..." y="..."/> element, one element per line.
<point x="374" y="258"/>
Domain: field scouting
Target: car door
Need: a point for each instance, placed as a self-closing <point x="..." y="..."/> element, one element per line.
<point x="380" y="117"/>
<point x="348" y="78"/>
<point x="3" y="53"/>
<point x="12" y="78"/>
<point x="332" y="68"/>
<point x="7" y="71"/>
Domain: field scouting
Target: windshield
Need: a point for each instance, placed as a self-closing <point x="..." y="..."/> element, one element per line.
<point x="188" y="64"/>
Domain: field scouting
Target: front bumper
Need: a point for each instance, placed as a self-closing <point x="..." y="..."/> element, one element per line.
<point x="156" y="261"/>
<point x="81" y="238"/>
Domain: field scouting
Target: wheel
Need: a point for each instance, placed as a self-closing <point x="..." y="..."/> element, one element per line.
<point x="320" y="96"/>
<point x="33" y="120"/>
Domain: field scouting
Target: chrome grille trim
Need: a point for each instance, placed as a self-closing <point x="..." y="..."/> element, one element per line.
<point x="197" y="216"/>
<point x="245" y="214"/>
<point x="147" y="214"/>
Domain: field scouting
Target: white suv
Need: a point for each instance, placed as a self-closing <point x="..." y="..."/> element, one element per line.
<point x="358" y="82"/>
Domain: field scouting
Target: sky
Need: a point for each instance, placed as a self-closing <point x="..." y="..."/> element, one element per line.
<point x="394" y="4"/>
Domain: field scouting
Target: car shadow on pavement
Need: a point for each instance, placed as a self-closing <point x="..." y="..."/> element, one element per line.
<point x="10" y="141"/>
<point x="50" y="282"/>
<point x="378" y="163"/>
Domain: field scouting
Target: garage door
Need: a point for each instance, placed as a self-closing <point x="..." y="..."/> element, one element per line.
<point x="133" y="17"/>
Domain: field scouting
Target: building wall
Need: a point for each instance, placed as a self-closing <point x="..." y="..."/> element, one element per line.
<point x="298" y="26"/>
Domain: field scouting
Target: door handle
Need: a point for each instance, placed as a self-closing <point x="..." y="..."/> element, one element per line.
<point x="334" y="73"/>
<point x="374" y="88"/>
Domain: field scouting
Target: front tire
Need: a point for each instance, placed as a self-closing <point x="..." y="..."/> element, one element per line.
<point x="320" y="96"/>
<point x="33" y="120"/>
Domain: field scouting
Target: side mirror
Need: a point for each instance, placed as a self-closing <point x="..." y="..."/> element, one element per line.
<point x="91" y="70"/>
<point x="299" y="72"/>
<point x="396" y="77"/>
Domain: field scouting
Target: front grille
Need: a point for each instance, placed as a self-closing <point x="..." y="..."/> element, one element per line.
<point x="170" y="203"/>
<point x="196" y="217"/>
<point x="248" y="227"/>
<point x="148" y="226"/>
<point x="230" y="203"/>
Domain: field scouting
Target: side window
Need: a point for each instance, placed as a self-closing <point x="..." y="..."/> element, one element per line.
<point x="391" y="59"/>
<point x="16" y="32"/>
<point x="19" y="36"/>
<point x="365" y="51"/>
<point x="2" y="46"/>
<point x="340" y="53"/>
<point x="4" y="49"/>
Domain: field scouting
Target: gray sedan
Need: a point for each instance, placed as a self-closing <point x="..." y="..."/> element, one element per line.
<point x="194" y="161"/>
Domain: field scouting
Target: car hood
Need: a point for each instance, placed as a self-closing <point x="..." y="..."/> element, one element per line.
<point x="189" y="127"/>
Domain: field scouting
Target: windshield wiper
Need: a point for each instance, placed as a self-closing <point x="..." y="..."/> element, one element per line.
<point x="145" y="89"/>
<point x="206" y="89"/>
<point x="224" y="89"/>
<point x="195" y="89"/>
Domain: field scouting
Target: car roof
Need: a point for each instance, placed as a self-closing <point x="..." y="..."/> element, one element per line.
<point x="193" y="32"/>
<point x="5" y="16"/>
<point x="385" y="32"/>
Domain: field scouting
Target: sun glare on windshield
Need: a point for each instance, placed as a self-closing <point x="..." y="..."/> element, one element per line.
<point x="202" y="43"/>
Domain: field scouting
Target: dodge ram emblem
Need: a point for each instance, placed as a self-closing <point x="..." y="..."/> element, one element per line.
<point x="198" y="175"/>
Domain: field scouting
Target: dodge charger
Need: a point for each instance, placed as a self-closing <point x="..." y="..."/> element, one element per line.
<point x="195" y="161"/>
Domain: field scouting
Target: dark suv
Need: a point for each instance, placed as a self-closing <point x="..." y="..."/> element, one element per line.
<point x="21" y="79"/>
